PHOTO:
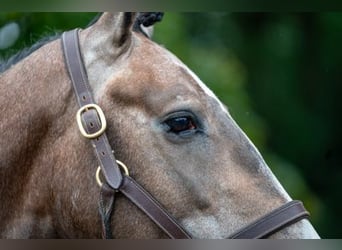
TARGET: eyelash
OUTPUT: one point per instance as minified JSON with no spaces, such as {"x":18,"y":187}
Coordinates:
{"x":181,"y":124}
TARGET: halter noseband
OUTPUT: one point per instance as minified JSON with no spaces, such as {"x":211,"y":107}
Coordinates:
{"x":92,"y":124}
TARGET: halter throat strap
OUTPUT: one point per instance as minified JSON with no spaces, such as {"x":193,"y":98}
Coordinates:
{"x":92,"y":125}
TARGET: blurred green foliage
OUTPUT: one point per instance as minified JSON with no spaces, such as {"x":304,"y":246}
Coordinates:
{"x":279,"y":75}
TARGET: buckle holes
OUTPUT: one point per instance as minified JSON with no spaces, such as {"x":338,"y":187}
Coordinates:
{"x":91,"y":125}
{"x":103,"y":153}
{"x":84,"y":97}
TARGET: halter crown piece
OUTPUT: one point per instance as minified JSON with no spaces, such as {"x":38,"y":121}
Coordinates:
{"x":91,"y":121}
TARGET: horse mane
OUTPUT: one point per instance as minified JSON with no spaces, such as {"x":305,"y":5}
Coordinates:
{"x":26,"y":52}
{"x":144,"y":18}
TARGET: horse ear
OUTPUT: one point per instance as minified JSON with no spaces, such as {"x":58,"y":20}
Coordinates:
{"x":123,"y":24}
{"x":117,"y":27}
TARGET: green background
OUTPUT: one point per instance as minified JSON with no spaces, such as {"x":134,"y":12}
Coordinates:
{"x":280,"y":76}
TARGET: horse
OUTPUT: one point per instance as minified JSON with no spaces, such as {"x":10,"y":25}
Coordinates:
{"x":170,"y":130}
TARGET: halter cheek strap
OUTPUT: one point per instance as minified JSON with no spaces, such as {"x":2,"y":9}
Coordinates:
{"x":92,"y":124}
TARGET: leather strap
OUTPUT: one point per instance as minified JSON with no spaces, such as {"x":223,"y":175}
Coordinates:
{"x":92,"y":123}
{"x":84,"y":96}
{"x":109,"y":167}
{"x":151,"y":207}
{"x":278,"y":219}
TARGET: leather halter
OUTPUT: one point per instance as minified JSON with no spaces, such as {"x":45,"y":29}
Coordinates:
{"x":92,"y":124}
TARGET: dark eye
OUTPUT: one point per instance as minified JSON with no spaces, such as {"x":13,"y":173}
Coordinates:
{"x":182,"y":124}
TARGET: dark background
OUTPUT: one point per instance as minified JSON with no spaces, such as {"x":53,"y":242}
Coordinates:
{"x":278,"y":73}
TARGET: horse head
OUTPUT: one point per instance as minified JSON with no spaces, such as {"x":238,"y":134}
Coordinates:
{"x":176,"y":138}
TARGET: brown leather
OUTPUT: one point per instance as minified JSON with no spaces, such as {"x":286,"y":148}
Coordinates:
{"x":139,"y":196}
{"x":103,"y":151}
{"x":263,"y":227}
{"x":84,"y":96}
{"x":151,"y":207}
{"x":278,"y":219}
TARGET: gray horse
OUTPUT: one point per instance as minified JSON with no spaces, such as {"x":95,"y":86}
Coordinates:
{"x":177,"y":139}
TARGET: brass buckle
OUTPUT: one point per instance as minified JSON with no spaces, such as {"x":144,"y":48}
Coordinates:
{"x":98,"y":170}
{"x":101,"y":116}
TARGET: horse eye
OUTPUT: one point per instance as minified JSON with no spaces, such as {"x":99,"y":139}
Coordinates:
{"x":180,"y":124}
